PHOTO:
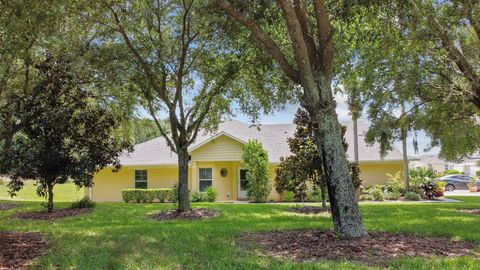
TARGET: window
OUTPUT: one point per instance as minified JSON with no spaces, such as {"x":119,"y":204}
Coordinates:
{"x":141,"y":179}
{"x":204,"y":178}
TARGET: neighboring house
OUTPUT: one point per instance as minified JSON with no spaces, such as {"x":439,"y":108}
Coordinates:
{"x":215,"y":160}
{"x":466,"y":165}
{"x":432,"y":162}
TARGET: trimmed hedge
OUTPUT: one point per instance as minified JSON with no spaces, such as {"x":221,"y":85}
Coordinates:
{"x":139,"y":195}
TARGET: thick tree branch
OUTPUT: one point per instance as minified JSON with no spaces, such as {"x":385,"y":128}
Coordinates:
{"x":325,"y":36}
{"x":265,"y":40}
{"x":305,"y":23}
{"x":300,"y":50}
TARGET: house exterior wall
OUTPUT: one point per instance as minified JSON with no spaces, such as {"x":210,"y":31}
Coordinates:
{"x":222,"y":148}
{"x":222,"y":152}
{"x":108,"y":185}
{"x":376,"y":173}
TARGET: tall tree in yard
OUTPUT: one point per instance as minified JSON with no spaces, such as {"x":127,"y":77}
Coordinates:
{"x":60,"y":132}
{"x":179,"y":66}
{"x":305,"y":53}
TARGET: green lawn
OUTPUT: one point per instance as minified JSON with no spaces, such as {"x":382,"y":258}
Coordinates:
{"x":120,"y":236}
{"x":67,"y":192}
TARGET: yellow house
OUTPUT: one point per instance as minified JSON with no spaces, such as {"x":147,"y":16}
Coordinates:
{"x":215,"y":160}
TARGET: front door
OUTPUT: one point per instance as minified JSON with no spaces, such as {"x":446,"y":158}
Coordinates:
{"x":242,"y":184}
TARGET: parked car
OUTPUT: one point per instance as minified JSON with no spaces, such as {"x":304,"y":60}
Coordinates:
{"x":457,"y":181}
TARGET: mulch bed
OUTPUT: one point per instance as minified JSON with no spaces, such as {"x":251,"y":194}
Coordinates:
{"x":17,"y":250}
{"x":308,"y":210}
{"x":7,"y":206}
{"x":376,"y":249}
{"x":56,"y":214}
{"x":199,"y":213}
{"x":470,"y":211}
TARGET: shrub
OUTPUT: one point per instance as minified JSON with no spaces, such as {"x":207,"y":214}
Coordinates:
{"x":420,"y":176}
{"x":365,"y":197}
{"x":472,"y":183}
{"x":198,"y":197}
{"x":377,"y":194}
{"x":315,"y":195}
{"x":255,"y":160}
{"x":288,"y":196}
{"x":174,"y":194}
{"x":392,"y":196}
{"x":211,"y":193}
{"x":138,"y":195}
{"x":478,"y":173}
{"x":432,"y":190}
{"x":85,"y":202}
{"x":412,"y":196}
{"x":394,"y":183}
{"x":447,"y":172}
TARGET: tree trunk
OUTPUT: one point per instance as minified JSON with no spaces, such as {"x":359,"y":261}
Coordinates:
{"x":324,"y":196}
{"x":343,"y":204}
{"x":50,"y":197}
{"x":183,"y":194}
{"x":355,"y":138}
{"x":405,"y":160}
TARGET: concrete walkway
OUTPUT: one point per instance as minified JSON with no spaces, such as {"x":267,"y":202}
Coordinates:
{"x":461,"y":193}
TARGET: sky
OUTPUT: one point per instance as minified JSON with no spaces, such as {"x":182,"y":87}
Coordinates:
{"x":288,"y":113}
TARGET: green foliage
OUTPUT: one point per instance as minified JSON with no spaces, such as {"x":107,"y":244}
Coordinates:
{"x":394,"y":183}
{"x":211,"y":193}
{"x":198,"y":197}
{"x":315,"y":195}
{"x":472,"y":182}
{"x":392,"y":196}
{"x":355,"y":174}
{"x":366,"y":197}
{"x":143,"y":129}
{"x":448,"y":172}
{"x":377,"y":194}
{"x":60,"y":132}
{"x":148,"y":195}
{"x":412,"y":196}
{"x":478,"y":173}
{"x":288,"y":196}
{"x":255,"y":160}
{"x":419,"y":176}
{"x":85,"y":202}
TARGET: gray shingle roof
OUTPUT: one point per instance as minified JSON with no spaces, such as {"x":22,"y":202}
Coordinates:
{"x":272,"y":136}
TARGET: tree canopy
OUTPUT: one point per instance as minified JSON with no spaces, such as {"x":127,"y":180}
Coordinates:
{"x":60,"y":133}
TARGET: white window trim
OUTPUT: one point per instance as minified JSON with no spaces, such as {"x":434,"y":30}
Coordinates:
{"x":200,"y":179}
{"x":135,"y":181}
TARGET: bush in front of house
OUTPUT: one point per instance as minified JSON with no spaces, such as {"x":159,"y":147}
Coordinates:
{"x":365,"y":197}
{"x":448,"y":172}
{"x":138,"y":195}
{"x":211,"y":193}
{"x":376,"y":192}
{"x":255,"y":160}
{"x":412,"y":196}
{"x":392,"y":196}
{"x":198,"y":197}
{"x":84,"y":202}
{"x":288,"y":196}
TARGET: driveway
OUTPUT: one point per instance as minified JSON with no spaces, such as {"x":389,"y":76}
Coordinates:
{"x":461,"y":193}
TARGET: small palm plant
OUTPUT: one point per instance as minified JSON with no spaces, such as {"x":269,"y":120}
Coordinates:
{"x":472,"y":185}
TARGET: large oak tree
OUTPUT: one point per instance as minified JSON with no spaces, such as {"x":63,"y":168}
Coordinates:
{"x":301,"y":43}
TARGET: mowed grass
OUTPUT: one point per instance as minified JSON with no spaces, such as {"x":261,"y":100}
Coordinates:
{"x":120,"y":236}
{"x":67,"y":192}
